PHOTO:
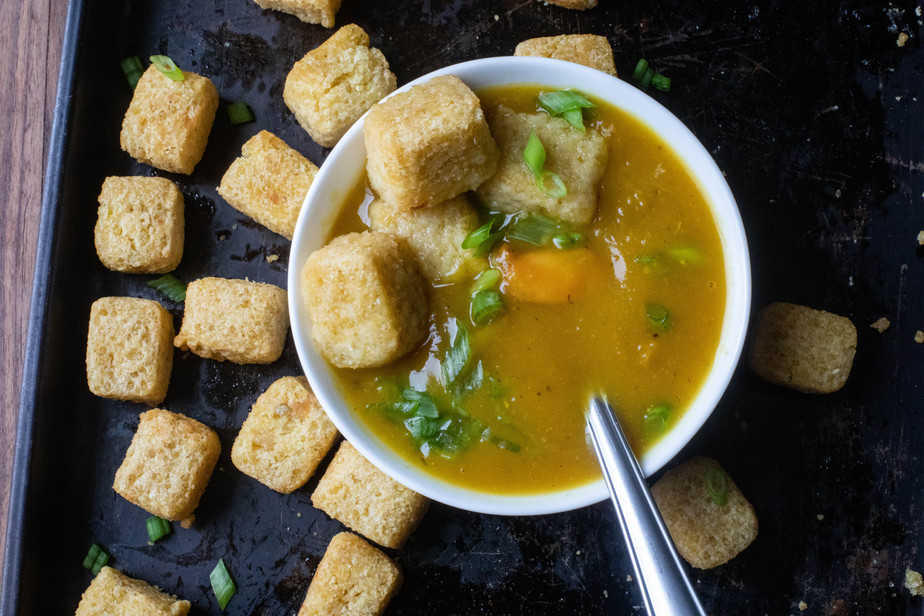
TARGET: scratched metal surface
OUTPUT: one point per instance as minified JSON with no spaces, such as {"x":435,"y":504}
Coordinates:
{"x":815,"y":115}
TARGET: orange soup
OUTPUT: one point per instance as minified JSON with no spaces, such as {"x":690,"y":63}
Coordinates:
{"x":630,"y":305}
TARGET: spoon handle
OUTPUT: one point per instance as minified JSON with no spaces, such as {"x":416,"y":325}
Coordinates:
{"x":661,"y":577}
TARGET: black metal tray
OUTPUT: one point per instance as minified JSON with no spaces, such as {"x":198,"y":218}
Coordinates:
{"x":812,"y":110}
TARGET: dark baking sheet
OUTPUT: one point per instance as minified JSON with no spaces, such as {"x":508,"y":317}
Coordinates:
{"x":811,"y":109}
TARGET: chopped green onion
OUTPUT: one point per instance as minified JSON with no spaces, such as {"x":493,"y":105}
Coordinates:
{"x":222,"y":584}
{"x":503,"y":443}
{"x":534,"y":155}
{"x":646,"y":76}
{"x":646,"y":259}
{"x":567,"y":104}
{"x":561,"y":101}
{"x":640,"y":69}
{"x":685,"y":255}
{"x":457,"y":359}
{"x":422,"y":428}
{"x":168,"y":67}
{"x":533,"y":229}
{"x":485,"y":306}
{"x":566,"y":241}
{"x":717,"y":486}
{"x":658,"y":316}
{"x":575,"y":118}
{"x":660,"y":82}
{"x":239,"y":113}
{"x":169,"y":285}
{"x":132,"y":69}
{"x":423,"y":404}
{"x":95,"y":559}
{"x":158,"y":528}
{"x":486,"y":280}
{"x":657,"y":415}
{"x":482,"y":240}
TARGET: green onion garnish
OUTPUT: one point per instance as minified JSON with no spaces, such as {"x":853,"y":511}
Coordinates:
{"x":566,"y":241}
{"x":534,"y":157}
{"x":95,"y":559}
{"x":486,"y":280}
{"x":222,"y":584}
{"x":660,"y":82}
{"x":657,"y":415}
{"x":482,"y":240}
{"x":458,"y":356}
{"x":685,"y":255}
{"x":485,"y":306}
{"x":717,"y":486}
{"x":640,"y":69}
{"x":645,"y":76}
{"x":132,"y":69}
{"x":420,"y":403}
{"x":658,"y":316}
{"x":169,"y":285}
{"x":568,"y":104}
{"x":533,"y":229}
{"x":158,"y":528}
{"x":168,"y":67}
{"x":239,"y":113}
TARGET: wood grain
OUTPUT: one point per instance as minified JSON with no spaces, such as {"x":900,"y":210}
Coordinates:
{"x":30,"y":43}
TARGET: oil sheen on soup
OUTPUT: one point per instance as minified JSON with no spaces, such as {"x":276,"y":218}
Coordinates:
{"x":499,"y":406}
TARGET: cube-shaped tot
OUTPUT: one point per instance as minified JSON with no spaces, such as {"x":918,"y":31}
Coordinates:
{"x":139,"y":225}
{"x":168,"y":122}
{"x":435,"y":235}
{"x":708,"y":518}
{"x":366,"y":298}
{"x":429,"y":144}
{"x":333,"y":85}
{"x":168,"y":464}
{"x":112,"y":593}
{"x":802,"y":348}
{"x":284,"y":437}
{"x":588,"y":49}
{"x":310,"y":11}
{"x":579,"y":158}
{"x":353,"y":579}
{"x":268,"y":182}
{"x":234,"y":320}
{"x":129,"y":350}
{"x":367,"y":500}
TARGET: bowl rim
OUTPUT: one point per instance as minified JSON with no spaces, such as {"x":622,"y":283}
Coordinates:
{"x":701,"y":167}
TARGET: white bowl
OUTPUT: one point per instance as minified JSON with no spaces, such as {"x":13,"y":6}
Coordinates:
{"x":342,"y":170}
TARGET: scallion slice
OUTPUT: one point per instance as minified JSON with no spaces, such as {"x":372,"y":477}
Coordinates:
{"x":486,"y":280}
{"x":239,"y":113}
{"x":95,"y":559}
{"x":482,"y":240}
{"x":458,"y":356}
{"x":717,"y":486}
{"x":222,"y":584}
{"x":485,"y":306}
{"x":567,"y":104}
{"x":645,"y":81}
{"x":132,"y":69}
{"x":575,"y":117}
{"x":657,"y":415}
{"x":640,"y":69}
{"x":533,"y":229}
{"x":168,"y":67}
{"x":658,"y":316}
{"x":567,"y":241}
{"x":158,"y":528}
{"x":534,"y":157}
{"x":169,"y":285}
{"x":660,"y":82}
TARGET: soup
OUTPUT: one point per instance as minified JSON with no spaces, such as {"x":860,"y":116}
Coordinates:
{"x":630,"y":305}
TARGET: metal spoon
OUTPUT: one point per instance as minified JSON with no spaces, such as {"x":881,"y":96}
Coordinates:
{"x":660,"y":575}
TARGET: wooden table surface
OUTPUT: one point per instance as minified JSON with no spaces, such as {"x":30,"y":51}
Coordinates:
{"x":30,"y":40}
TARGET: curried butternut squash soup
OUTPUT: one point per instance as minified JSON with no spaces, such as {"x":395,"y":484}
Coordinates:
{"x":548,"y":309}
